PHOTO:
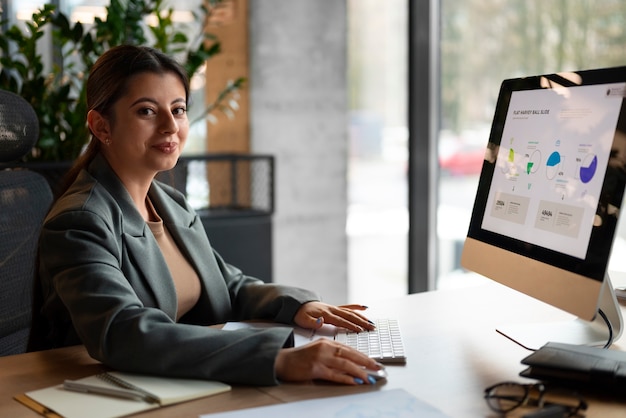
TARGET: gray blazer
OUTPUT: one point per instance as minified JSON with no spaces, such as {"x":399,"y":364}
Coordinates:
{"x":105,"y":283}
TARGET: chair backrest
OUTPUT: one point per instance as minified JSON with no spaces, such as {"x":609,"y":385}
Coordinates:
{"x":25,"y":198}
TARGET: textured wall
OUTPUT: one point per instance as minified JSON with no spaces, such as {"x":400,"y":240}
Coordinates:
{"x":298,"y":113}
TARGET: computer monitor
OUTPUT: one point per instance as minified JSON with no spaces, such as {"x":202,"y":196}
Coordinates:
{"x":549,"y":198}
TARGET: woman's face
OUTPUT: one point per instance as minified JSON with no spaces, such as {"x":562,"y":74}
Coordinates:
{"x":149,"y":127}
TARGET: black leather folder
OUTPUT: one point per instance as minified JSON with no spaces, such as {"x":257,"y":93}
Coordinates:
{"x":579,"y":366}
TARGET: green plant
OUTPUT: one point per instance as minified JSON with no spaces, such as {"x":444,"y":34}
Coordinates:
{"x":57,"y":91}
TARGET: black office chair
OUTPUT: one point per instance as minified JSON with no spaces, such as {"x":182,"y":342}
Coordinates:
{"x":25,"y":198}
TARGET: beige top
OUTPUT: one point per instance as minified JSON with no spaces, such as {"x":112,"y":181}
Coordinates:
{"x":186,"y":280}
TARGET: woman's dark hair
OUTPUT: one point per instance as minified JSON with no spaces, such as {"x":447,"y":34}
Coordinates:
{"x":107,"y":82}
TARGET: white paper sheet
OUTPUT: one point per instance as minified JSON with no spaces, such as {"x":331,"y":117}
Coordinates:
{"x":395,"y":403}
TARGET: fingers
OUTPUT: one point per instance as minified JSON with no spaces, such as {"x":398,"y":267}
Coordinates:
{"x":344,"y":352}
{"x":339,"y":316}
{"x":315,"y":314}
{"x":347,"y":318}
{"x":315,"y":323}
{"x":354,"y":307}
{"x":309,"y":316}
{"x":326,"y":360}
{"x":349,"y":366}
{"x":341,"y":370}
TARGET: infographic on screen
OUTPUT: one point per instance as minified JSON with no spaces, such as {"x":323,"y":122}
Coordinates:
{"x":551,"y":164}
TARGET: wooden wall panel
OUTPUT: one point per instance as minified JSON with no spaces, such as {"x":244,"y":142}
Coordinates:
{"x":229,"y":135}
{"x":230,"y":25}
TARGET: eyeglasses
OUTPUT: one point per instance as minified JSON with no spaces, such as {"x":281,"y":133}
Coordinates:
{"x":507,"y":396}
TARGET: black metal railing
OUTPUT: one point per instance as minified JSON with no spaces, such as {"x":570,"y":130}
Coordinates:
{"x":225,"y":183}
{"x":216,"y":184}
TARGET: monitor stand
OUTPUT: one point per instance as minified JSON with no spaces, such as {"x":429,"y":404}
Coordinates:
{"x":575,"y":331}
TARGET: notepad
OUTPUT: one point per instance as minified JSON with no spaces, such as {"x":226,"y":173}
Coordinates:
{"x":166,"y":391}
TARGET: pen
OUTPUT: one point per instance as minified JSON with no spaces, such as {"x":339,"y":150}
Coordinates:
{"x":110,"y":391}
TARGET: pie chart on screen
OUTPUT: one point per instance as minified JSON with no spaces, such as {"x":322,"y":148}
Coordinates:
{"x":588,"y":168}
{"x":552,"y":165}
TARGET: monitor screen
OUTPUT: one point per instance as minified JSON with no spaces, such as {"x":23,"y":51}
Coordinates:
{"x":551,"y":187}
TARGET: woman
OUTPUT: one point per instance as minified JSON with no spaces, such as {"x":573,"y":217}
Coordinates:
{"x":125,"y":266}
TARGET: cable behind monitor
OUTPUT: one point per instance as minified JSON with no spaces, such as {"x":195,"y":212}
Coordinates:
{"x":602,"y":331}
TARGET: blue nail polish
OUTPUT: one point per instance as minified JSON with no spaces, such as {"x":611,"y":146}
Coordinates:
{"x":358,"y":381}
{"x":371,"y":380}
{"x":319,"y":320}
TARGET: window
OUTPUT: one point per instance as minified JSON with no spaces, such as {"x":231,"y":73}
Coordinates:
{"x":479,"y":43}
{"x":483,"y":42}
{"x":377,"y":219}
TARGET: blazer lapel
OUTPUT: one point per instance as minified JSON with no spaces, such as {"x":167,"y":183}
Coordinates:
{"x":143,"y":249}
{"x":188,"y":233}
{"x":146,"y":255}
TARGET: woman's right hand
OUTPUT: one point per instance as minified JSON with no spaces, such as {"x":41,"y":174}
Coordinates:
{"x":324,"y":359}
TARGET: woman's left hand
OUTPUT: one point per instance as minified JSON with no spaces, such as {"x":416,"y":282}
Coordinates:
{"x":313,"y":315}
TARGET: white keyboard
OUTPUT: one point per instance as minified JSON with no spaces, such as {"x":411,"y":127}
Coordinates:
{"x":384,"y":344}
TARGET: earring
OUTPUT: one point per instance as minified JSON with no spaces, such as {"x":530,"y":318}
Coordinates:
{"x":107,"y":142}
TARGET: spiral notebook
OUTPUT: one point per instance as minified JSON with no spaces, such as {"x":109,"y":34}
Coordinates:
{"x":152,"y":392}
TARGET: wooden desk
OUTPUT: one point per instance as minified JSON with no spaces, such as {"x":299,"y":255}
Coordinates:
{"x":452,"y":347}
